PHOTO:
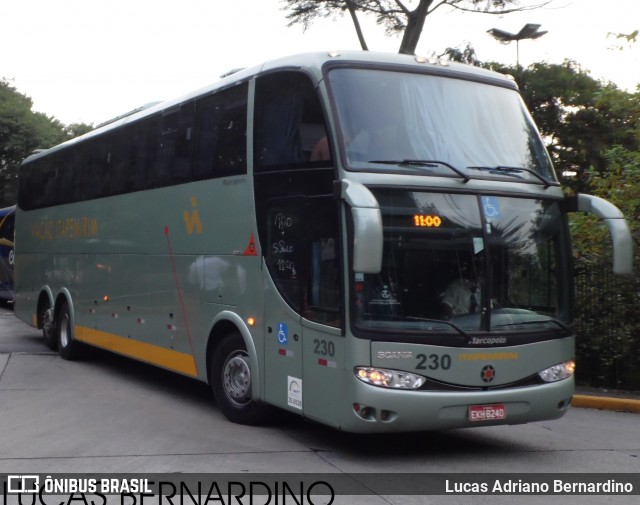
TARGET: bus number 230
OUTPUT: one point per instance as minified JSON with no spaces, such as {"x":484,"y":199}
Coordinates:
{"x":433,"y":362}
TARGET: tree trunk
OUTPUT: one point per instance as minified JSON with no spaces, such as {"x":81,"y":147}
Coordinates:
{"x":415,"y":24}
{"x":357,"y":26}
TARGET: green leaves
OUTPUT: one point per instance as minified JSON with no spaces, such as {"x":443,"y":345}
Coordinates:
{"x":21,"y":132}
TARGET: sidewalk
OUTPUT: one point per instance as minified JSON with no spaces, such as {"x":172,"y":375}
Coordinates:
{"x":604,"y":399}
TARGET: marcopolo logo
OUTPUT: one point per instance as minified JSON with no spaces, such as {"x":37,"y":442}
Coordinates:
{"x":487,"y":340}
{"x":488,"y":373}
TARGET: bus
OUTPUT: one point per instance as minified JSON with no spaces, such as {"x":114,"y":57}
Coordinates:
{"x":7,"y":227}
{"x":376,"y":242}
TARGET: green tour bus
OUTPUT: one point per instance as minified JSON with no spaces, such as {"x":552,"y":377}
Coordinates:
{"x":377,"y":242}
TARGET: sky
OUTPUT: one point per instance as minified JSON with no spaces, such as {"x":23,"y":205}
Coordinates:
{"x":91,"y":60}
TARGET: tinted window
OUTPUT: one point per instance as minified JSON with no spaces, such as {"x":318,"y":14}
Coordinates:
{"x":302,"y":254}
{"x":220,"y":134}
{"x":289,"y":129}
{"x":198,"y":139}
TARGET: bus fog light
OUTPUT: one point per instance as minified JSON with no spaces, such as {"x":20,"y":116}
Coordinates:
{"x":558,"y":372}
{"x":394,"y":379}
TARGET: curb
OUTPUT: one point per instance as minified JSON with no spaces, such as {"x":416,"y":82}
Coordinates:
{"x":606,"y":403}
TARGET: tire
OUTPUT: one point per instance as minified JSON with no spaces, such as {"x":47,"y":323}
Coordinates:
{"x":68,"y":347}
{"x":230,"y":379}
{"x":49,"y":328}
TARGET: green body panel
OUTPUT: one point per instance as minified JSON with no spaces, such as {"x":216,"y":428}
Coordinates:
{"x":155,"y":267}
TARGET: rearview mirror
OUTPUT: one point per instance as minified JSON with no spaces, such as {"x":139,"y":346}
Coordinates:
{"x":367,"y":227}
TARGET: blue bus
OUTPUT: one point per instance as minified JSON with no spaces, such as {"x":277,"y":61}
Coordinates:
{"x":7,"y":228}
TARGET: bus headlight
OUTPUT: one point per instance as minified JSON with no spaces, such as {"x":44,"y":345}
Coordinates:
{"x":558,"y":372}
{"x":394,"y":379}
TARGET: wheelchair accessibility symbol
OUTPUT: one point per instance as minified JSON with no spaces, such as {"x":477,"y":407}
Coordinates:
{"x":283,"y":333}
{"x":491,"y":207}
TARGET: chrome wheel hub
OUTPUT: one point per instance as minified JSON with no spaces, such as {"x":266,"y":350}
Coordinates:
{"x":237,"y":379}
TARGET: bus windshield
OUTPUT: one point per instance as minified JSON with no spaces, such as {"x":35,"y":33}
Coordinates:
{"x":457,"y":263}
{"x":393,"y":121}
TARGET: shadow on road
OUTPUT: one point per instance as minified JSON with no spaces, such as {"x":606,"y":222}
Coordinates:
{"x":319,"y":438}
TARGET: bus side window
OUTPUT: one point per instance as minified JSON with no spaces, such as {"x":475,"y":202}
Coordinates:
{"x":322,"y":300}
{"x":31,"y":185}
{"x":152,"y":131}
{"x":220,"y":134}
{"x":288,"y":123}
{"x":96,"y":159}
{"x":117,"y":178}
{"x":173,"y":164}
{"x":283,"y":251}
{"x":297,"y":213}
{"x":138,"y":156}
{"x":231,"y":155}
{"x":50,"y":181}
{"x":166,"y":147}
{"x":303,"y":257}
{"x":69,"y":187}
{"x":181,"y":166}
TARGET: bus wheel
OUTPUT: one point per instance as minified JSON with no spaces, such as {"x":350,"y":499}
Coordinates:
{"x":230,"y":380}
{"x":49,"y":328}
{"x":67,"y":346}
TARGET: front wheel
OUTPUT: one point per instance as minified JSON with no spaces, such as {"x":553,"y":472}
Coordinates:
{"x":231,"y":382}
{"x":68,"y":347}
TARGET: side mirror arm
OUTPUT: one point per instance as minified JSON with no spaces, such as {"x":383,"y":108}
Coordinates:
{"x":621,"y":237}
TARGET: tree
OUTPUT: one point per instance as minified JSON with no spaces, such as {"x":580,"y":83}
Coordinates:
{"x":21,"y":132}
{"x":397,"y":16}
{"x":579,"y":117}
{"x":592,"y":128}
{"x":624,"y":40}
{"x":466,"y":55}
{"x":76,"y":129}
{"x":607,"y":310}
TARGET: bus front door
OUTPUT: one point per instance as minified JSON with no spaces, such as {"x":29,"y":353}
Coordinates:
{"x":283,"y":352}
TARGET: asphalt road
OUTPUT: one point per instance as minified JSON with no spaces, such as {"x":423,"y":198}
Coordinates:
{"x":110,"y":414}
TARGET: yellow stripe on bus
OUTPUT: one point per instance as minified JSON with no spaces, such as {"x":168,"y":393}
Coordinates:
{"x":166,"y":358}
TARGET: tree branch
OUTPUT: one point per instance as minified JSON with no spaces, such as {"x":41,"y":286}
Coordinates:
{"x":403,"y":7}
{"x":440,"y":4}
{"x":454,"y":4}
{"x":379,"y":8}
{"x":356,"y":24}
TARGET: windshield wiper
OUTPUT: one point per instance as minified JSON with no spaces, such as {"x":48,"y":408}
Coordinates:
{"x":505,"y":170}
{"x":439,"y":321}
{"x":552,"y":320}
{"x":424,"y":164}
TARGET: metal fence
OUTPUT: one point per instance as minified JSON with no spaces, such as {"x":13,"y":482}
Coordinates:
{"x":607,"y":328}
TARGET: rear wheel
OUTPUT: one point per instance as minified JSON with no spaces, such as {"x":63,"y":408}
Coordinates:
{"x":48,"y":327}
{"x":68,"y":347}
{"x":231,"y":382}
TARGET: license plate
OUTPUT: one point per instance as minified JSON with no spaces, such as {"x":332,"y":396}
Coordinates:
{"x":479,"y":413}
